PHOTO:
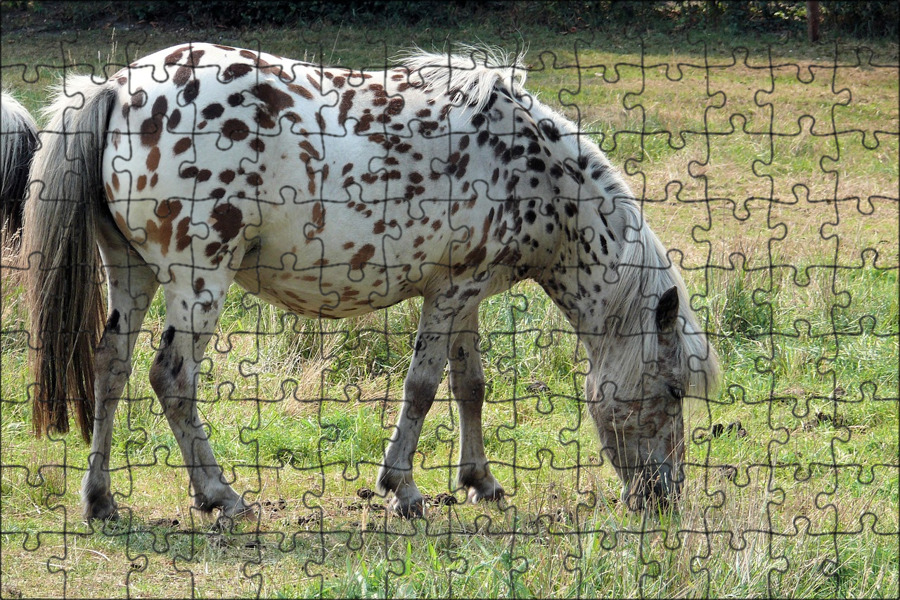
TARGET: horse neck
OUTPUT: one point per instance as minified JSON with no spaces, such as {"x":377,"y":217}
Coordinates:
{"x":611,"y":269}
{"x":595,"y":275}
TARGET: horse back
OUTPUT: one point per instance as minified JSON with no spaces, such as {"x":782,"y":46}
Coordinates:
{"x":336,"y":188}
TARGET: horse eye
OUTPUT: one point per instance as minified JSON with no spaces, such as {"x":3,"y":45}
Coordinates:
{"x":676,"y":392}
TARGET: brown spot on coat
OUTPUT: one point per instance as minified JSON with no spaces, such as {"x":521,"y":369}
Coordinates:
{"x":123,"y":226}
{"x":182,"y":239}
{"x":151,"y":128}
{"x":227,"y":221}
{"x":174,"y":57}
{"x":153,"y":158}
{"x":213,"y":111}
{"x":182,"y":75}
{"x":275,"y":100}
{"x":362,"y":256}
{"x":235,"y":71}
{"x":194,"y":57}
{"x":318,"y":215}
{"x":161,"y":233}
{"x":235,"y":129}
{"x":346,"y":105}
{"x":191,"y":91}
{"x":138,"y":98}
{"x":300,"y":91}
{"x":395,"y":106}
{"x":310,"y":149}
{"x":174,"y":119}
{"x":182,"y":145}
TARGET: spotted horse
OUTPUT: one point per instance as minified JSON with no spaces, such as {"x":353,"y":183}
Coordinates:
{"x":18,"y":138}
{"x":331,"y":193}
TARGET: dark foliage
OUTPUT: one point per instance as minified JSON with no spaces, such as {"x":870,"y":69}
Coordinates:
{"x":849,"y":18}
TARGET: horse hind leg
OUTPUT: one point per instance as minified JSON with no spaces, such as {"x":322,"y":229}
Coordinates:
{"x":191,"y":314}
{"x":131,"y":285}
{"x":467,"y":386}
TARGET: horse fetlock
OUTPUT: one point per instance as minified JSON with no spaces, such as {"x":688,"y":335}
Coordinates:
{"x":96,"y":498}
{"x":391,"y":480}
{"x":224,"y":498}
{"x":408,"y":501}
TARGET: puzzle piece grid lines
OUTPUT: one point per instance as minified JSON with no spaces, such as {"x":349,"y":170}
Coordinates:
{"x":789,"y":468}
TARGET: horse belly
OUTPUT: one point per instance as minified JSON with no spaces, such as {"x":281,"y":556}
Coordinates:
{"x":320,"y":274}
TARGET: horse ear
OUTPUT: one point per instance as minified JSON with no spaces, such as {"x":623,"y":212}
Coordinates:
{"x":667,"y":310}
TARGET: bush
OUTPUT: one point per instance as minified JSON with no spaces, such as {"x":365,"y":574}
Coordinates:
{"x":849,"y":18}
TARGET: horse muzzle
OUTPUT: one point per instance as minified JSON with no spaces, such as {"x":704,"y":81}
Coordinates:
{"x":653,"y":488}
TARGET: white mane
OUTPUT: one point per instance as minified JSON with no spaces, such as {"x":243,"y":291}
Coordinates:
{"x":469,"y":78}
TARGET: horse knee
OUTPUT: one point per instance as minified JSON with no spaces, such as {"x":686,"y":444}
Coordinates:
{"x":418,"y":395}
{"x":468,"y":389}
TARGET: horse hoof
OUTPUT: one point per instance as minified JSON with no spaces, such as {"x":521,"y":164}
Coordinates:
{"x":245,"y":512}
{"x":489,"y":493}
{"x":410,"y":510}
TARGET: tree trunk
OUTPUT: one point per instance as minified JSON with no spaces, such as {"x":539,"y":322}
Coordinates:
{"x":812,"y":20}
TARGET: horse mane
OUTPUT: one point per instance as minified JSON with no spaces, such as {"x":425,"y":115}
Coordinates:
{"x":467,"y":78}
{"x":645,"y":273}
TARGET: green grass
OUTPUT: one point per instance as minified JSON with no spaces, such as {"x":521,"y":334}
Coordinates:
{"x":804,"y":505}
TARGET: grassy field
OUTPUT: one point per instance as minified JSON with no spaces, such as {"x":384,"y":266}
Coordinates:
{"x":769,"y":167}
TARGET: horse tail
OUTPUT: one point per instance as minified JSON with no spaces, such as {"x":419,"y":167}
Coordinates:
{"x":59,"y":249}
{"x":19,"y":140}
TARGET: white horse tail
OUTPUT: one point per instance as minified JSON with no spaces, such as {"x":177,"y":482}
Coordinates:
{"x":63,"y":210}
{"x":18,"y":140}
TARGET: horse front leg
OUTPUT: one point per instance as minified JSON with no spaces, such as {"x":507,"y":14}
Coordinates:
{"x":131,"y":290}
{"x":467,"y":386}
{"x":425,"y":372}
{"x":190,"y":322}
